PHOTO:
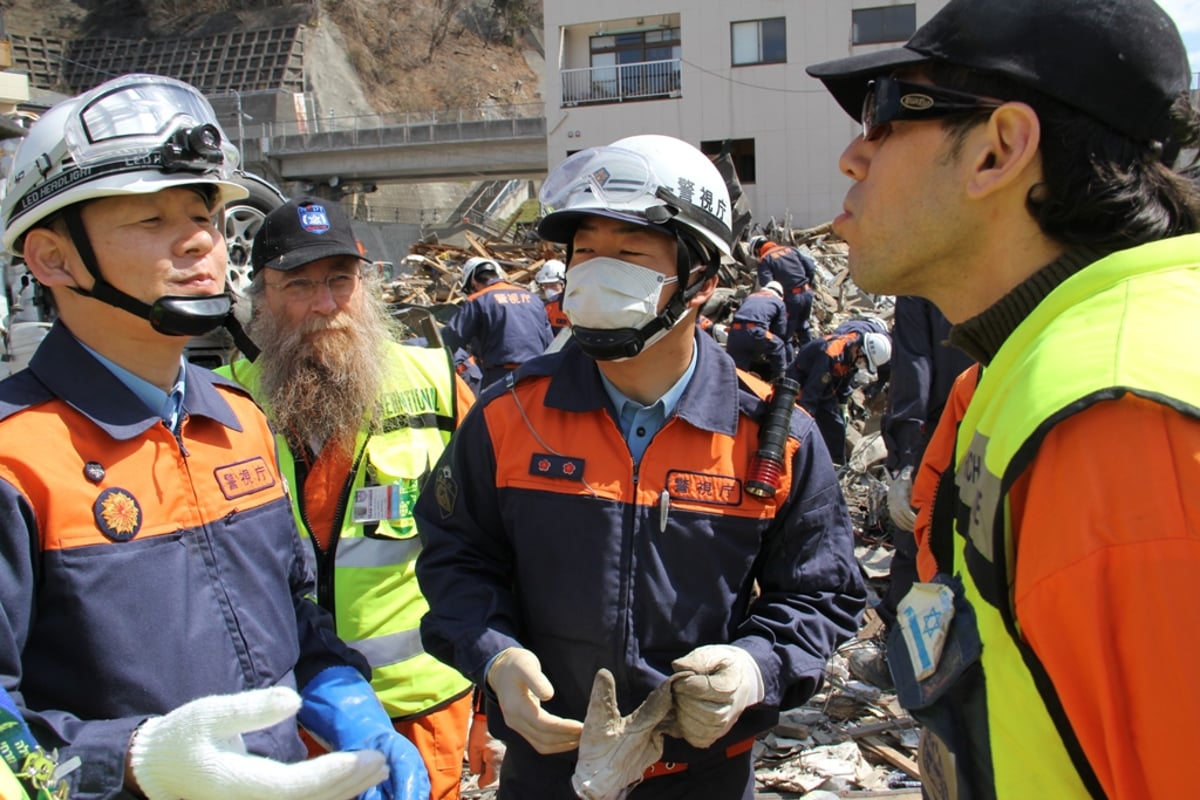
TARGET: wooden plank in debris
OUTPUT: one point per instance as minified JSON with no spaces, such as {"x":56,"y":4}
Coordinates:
{"x":875,"y":744}
{"x":476,"y":244}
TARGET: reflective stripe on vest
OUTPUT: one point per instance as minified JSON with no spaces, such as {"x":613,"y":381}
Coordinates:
{"x":1095,"y":337}
{"x":379,"y":604}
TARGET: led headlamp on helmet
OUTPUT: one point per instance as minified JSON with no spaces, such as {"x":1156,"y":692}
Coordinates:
{"x":655,"y":181}
{"x":137,"y":134}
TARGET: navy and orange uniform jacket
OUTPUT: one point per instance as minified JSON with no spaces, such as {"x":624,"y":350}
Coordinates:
{"x":141,"y":569}
{"x":794,"y":270}
{"x":764,"y":309}
{"x":823,"y":368}
{"x":538,"y":531}
{"x":555,"y":315}
{"x":502,"y":324}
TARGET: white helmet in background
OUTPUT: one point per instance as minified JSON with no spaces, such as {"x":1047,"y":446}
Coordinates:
{"x":647,"y":179}
{"x":136,"y":134}
{"x":479,"y":264}
{"x":553,"y":271}
{"x":774,"y":286}
{"x":877,"y":347}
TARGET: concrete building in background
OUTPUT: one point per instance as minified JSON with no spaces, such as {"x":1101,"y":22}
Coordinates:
{"x":719,"y":74}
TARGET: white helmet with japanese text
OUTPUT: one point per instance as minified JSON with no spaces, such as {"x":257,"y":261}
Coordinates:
{"x":136,"y":134}
{"x":647,"y":179}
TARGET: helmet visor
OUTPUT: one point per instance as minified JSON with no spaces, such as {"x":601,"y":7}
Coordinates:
{"x":605,"y":177}
{"x":141,"y":115}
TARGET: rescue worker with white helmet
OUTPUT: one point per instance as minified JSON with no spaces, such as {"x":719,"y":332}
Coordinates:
{"x":596,"y":508}
{"x":828,"y":370}
{"x":550,"y":280}
{"x":156,"y":621}
{"x":503,"y":325}
{"x":756,"y":338}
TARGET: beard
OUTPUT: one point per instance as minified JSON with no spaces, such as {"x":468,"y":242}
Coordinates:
{"x":321,"y":380}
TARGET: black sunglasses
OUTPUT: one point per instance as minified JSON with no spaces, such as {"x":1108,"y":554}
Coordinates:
{"x":890,"y":99}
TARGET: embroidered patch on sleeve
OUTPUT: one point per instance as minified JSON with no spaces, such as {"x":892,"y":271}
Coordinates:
{"x":550,"y":466}
{"x":245,"y":477}
{"x":699,"y":487}
{"x":445,"y":491}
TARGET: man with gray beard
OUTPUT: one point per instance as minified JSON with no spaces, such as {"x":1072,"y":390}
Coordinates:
{"x":359,"y":421}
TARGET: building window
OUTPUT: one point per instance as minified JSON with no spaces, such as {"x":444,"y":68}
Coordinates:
{"x":635,"y":47}
{"x":631,"y":65}
{"x":887,"y":24}
{"x":741,"y":151}
{"x":759,"y":41}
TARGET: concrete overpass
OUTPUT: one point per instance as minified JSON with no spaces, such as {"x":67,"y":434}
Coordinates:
{"x":502,"y":142}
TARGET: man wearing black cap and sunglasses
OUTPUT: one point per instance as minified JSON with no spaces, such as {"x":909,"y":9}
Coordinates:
{"x":1016,"y":167}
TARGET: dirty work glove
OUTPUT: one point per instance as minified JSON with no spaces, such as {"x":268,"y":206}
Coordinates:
{"x":196,"y":751}
{"x":899,"y":500}
{"x":614,"y":751}
{"x":484,"y":752}
{"x":521,"y":688}
{"x":342,"y":712}
{"x":726,"y":681}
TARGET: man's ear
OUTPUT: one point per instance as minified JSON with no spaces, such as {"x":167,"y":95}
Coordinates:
{"x":47,"y":256}
{"x":706,"y":290}
{"x":1005,"y":154}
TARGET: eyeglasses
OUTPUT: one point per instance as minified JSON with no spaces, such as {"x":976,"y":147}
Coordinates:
{"x":341,"y":285}
{"x":890,"y":99}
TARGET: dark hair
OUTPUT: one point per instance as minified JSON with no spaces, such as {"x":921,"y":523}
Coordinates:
{"x":1099,"y":187}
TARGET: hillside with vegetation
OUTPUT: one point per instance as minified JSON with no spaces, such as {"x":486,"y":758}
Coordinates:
{"x":409,"y":55}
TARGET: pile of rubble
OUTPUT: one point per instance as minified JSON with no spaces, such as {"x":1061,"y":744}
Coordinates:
{"x":852,"y":738}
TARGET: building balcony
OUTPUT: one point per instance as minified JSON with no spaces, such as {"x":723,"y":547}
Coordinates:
{"x":648,"y":80}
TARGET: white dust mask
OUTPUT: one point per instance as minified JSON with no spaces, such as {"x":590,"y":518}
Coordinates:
{"x":608,"y":293}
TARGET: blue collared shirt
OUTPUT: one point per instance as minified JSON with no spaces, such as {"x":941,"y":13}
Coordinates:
{"x":168,"y":405}
{"x":639,"y":423}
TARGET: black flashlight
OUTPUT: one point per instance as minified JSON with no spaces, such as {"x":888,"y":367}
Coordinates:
{"x":767,"y":464}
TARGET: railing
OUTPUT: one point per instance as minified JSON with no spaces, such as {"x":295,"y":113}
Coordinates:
{"x":409,"y":127}
{"x":618,"y":83}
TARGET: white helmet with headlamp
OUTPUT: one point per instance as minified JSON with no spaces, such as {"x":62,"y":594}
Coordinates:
{"x":656,"y":181}
{"x":136,"y":134}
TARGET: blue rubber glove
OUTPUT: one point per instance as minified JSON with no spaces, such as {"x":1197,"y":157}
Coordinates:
{"x":341,"y":711}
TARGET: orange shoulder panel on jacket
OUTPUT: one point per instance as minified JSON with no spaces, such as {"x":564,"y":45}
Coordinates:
{"x":939,"y":454}
{"x":464,"y":398}
{"x":548,"y":450}
{"x":100,"y":491}
{"x":1107,"y":526}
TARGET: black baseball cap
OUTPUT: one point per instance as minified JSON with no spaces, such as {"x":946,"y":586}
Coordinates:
{"x":300,"y":232}
{"x":1122,"y":62}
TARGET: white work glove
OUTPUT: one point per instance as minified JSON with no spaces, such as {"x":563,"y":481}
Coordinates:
{"x":709,"y":702}
{"x":614,"y":751}
{"x":485,"y":752}
{"x":899,"y":500}
{"x":521,"y":688}
{"x":196,"y":752}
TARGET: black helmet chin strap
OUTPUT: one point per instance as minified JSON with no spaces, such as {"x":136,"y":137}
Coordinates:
{"x":171,"y":315}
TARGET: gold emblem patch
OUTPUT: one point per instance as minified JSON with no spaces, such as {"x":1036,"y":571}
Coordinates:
{"x":117,"y":514}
